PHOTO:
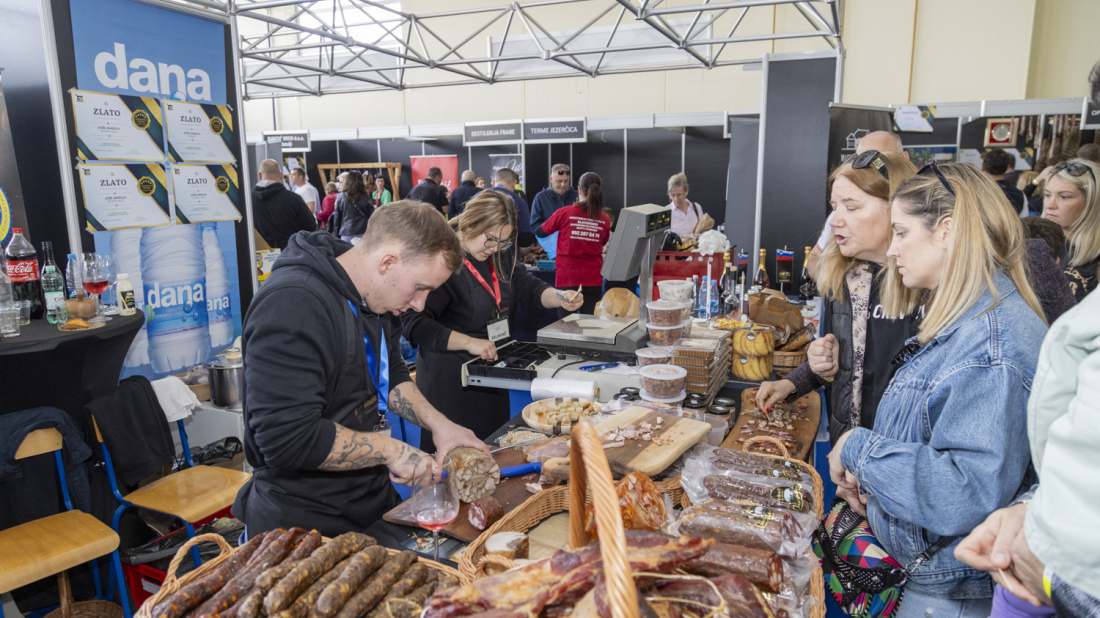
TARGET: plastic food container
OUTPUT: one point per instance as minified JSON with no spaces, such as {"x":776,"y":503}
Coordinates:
{"x":725,"y":401}
{"x":665,"y":312}
{"x":719,"y":427}
{"x":675,"y":289}
{"x":699,"y":348}
{"x":752,"y":368}
{"x":663,"y":381}
{"x":630,"y":390}
{"x":754,"y":340}
{"x":653,"y":356}
{"x":664,"y":335}
{"x":670,"y":400}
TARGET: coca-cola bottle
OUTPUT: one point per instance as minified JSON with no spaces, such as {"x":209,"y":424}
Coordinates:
{"x":23,"y":272}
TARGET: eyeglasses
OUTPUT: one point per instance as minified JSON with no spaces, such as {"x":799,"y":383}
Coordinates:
{"x":501,"y":245}
{"x":870,"y":158}
{"x":564,"y":172}
{"x":1074,"y":169}
{"x":934,"y":168}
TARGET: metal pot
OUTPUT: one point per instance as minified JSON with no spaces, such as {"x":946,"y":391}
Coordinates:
{"x":226,"y":372}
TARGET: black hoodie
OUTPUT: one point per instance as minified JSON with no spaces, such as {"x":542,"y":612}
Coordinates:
{"x":305,"y":372}
{"x":279,"y":214}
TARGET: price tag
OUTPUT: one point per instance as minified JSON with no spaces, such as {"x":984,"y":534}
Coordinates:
{"x":498,"y":329}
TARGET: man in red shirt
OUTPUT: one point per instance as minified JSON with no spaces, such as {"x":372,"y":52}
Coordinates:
{"x":583,"y":230}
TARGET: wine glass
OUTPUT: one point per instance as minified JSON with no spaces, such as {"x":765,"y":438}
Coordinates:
{"x":435,"y":503}
{"x":112,"y":282}
{"x":94,"y":280}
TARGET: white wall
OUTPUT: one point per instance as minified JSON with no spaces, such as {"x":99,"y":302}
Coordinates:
{"x":921,"y":51}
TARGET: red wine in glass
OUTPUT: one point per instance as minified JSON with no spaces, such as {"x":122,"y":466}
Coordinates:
{"x":95,"y":287}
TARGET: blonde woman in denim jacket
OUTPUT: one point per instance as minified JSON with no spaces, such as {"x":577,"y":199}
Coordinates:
{"x":950,"y":444}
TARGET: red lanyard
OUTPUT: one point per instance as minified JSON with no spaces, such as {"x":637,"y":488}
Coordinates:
{"x":495,"y":290}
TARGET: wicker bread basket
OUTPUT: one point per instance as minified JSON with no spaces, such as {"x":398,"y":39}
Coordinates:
{"x":172,"y":584}
{"x":786,"y":362}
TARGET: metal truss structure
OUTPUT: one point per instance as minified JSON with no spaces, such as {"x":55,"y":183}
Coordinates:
{"x":316,"y":47}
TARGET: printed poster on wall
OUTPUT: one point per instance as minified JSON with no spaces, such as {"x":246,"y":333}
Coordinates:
{"x":112,"y":127}
{"x":199,"y":133}
{"x":448,"y":164}
{"x":205,"y":193}
{"x":12,"y":214}
{"x":124,"y":195}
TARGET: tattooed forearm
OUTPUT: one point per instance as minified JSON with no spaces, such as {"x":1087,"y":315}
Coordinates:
{"x":354,"y":450}
{"x":401,"y":405}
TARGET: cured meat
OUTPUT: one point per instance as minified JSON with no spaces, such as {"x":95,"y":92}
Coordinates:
{"x":337,"y":593}
{"x":751,"y":460}
{"x":301,"y":606}
{"x":774,"y":495}
{"x":563,"y":578}
{"x":547,"y":449}
{"x":485,"y":512}
{"x":270,"y":553}
{"x":475,"y":474}
{"x":305,"y":547}
{"x":309,"y":570}
{"x":378,"y":585}
{"x":410,"y":581}
{"x":253,"y":602}
{"x":641,"y":505}
{"x":754,"y":529}
{"x":740,"y":597}
{"x":510,"y":545}
{"x":761,"y":567}
{"x":195,"y":593}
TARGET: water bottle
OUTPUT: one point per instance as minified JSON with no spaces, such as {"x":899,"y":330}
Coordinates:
{"x":218,"y":307}
{"x":713,"y":299}
{"x":126,"y":247}
{"x":53,"y":287}
{"x":173,"y":273}
{"x":6,"y":297}
{"x":74,"y":279}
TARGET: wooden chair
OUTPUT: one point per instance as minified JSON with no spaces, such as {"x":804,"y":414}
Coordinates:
{"x":52,"y":545}
{"x":189,"y":495}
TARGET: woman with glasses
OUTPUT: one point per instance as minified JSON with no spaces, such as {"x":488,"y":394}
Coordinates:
{"x":1071,"y":199}
{"x":853,"y":358}
{"x":583,"y":230}
{"x":949,"y":442}
{"x":467,"y":317}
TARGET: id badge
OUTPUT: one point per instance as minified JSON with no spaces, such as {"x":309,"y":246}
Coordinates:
{"x":498,"y":329}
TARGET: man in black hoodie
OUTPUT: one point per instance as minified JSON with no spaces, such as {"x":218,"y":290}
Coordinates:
{"x":311,"y":408}
{"x":277,"y":212}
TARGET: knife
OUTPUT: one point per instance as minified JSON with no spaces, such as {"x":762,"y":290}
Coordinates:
{"x":515,"y":470}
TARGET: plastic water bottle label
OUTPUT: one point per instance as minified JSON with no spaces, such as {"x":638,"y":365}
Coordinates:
{"x":178,"y":306}
{"x":219,"y":308}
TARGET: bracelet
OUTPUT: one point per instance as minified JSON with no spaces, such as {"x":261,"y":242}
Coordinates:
{"x":829,"y":380}
{"x":1048,"y":573}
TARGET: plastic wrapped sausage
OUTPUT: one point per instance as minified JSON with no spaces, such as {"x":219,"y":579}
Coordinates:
{"x":697,"y":596}
{"x":640,"y":503}
{"x":764,"y":568}
{"x":779,"y":495}
{"x":485,"y":512}
{"x":755,"y":527}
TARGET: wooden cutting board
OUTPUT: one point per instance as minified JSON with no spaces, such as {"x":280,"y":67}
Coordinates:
{"x":804,"y":432}
{"x":510,"y":492}
{"x":677,"y":435}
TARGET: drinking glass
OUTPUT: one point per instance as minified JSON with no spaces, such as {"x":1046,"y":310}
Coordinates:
{"x":435,"y":504}
{"x":95,"y":282}
{"x":112,"y":283}
{"x":9,"y":320}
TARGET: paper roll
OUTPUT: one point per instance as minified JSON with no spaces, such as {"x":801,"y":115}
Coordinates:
{"x":551,"y":388}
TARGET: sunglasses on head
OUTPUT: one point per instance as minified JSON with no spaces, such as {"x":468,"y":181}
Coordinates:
{"x":934,"y":168}
{"x":562,"y":172}
{"x":870,"y":158}
{"x":1074,"y":169}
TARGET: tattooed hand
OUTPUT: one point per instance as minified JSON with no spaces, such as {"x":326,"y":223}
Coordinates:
{"x":410,"y":466}
{"x":355,"y":450}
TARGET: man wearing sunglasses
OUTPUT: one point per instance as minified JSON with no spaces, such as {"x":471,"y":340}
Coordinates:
{"x":559,"y":194}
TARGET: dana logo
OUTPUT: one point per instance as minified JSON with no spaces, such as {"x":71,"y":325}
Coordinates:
{"x":180,"y":295}
{"x":113,"y":71}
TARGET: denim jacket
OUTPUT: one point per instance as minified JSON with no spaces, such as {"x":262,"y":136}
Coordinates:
{"x":950,"y":441}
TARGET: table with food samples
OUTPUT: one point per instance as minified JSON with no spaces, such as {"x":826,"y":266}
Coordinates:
{"x":716,"y":513}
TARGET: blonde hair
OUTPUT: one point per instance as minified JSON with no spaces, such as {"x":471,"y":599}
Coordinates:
{"x":986,"y":237}
{"x":486,"y":211}
{"x":1084,"y":233}
{"x":419,"y":228}
{"x":833,"y":266}
{"x":678,"y":180}
{"x":1025,"y":179}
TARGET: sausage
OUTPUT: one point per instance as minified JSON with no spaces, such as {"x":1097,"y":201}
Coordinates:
{"x":253,"y":601}
{"x":410,"y":605}
{"x":697,"y":595}
{"x":750,"y":460}
{"x":270,"y":553}
{"x":446,"y":582}
{"x":785,"y":523}
{"x":761,"y":567}
{"x":269,"y":538}
{"x":485,"y":512}
{"x":308,"y":570}
{"x":191,"y":595}
{"x":779,"y":496}
{"x":301,"y":606}
{"x":377,"y":586}
{"x":413,"y":579}
{"x":338,"y":592}
{"x":755,"y":531}
{"x":306,"y":546}
{"x":475,"y":474}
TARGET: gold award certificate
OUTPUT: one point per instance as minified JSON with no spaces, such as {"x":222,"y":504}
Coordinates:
{"x":205,"y":193}
{"x":199,"y":133}
{"x":115,"y":127}
{"x":123,"y":196}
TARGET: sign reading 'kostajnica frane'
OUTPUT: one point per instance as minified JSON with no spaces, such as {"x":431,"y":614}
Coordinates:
{"x":488,"y":133}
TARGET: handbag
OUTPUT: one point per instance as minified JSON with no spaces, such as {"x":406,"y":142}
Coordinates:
{"x":865,"y":580}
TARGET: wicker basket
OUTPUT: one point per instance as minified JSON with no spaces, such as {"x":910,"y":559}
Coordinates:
{"x":172,"y":585}
{"x":531,"y":513}
{"x":817,"y":580}
{"x":786,"y":362}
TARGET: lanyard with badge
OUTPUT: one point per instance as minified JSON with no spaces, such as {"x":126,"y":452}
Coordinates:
{"x":379,"y":372}
{"x":498,"y":325}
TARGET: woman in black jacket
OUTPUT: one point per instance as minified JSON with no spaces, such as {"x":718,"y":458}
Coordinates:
{"x":353,"y":208}
{"x":459,"y":316}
